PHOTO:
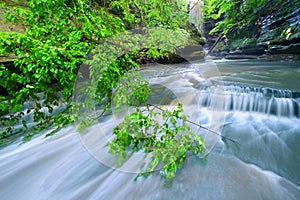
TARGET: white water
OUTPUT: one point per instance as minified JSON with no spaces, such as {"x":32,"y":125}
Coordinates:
{"x":264,"y":166}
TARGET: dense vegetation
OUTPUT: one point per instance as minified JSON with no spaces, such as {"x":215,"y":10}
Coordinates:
{"x":57,"y":38}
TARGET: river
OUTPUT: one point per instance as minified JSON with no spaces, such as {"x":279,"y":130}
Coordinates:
{"x":255,"y":103}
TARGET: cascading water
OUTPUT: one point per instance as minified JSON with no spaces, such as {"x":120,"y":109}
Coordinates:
{"x":262,"y":163}
{"x":269,"y":101}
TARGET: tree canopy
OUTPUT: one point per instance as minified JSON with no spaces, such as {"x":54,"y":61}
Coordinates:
{"x":57,"y":37}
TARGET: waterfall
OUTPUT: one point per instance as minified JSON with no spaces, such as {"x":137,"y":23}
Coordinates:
{"x":196,"y":15}
{"x":285,"y":103}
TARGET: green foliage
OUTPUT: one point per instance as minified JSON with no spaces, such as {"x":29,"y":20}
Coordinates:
{"x":56,"y":41}
{"x":236,"y":14}
{"x":149,"y":13}
{"x":163,"y":134}
{"x":58,"y":36}
{"x":131,"y":90}
{"x":113,"y":68}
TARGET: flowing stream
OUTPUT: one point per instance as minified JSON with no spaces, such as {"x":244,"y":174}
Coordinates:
{"x":255,"y":103}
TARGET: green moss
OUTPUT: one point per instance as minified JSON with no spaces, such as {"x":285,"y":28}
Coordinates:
{"x":242,"y":43}
{"x":200,"y":40}
{"x":221,"y":46}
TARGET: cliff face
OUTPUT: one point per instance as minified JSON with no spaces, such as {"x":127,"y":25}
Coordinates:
{"x":276,"y":31}
{"x":280,"y":30}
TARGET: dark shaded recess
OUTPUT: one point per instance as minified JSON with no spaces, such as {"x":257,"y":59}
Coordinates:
{"x":296,"y":109}
{"x":289,"y":49}
{"x":171,"y":58}
{"x":286,"y":42}
{"x":10,"y":66}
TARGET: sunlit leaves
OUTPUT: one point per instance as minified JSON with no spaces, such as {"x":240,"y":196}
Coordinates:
{"x":161,"y":133}
{"x":146,"y":13}
{"x":57,"y":39}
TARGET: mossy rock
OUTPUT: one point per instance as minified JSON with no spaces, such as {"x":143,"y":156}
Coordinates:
{"x":200,"y":40}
